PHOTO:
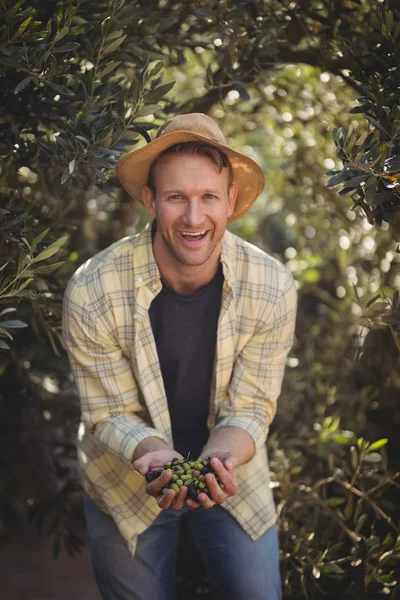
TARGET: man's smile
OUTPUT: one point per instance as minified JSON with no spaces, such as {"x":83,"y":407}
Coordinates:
{"x":193,"y":238}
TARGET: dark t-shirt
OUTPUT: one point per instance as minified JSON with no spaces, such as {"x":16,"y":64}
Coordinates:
{"x":185,"y":332}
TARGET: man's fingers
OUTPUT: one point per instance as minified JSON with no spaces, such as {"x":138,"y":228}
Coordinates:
{"x":228,"y":479}
{"x":166,"y":499}
{"x":179,"y":500}
{"x":154,"y":488}
{"x":216,"y":493}
{"x":192,"y":503}
{"x":205,"y":501}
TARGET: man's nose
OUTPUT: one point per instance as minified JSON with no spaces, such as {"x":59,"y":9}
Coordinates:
{"x":194,"y":213}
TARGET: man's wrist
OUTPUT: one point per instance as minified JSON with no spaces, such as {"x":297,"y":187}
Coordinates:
{"x":149,"y":444}
{"x":230,"y":440}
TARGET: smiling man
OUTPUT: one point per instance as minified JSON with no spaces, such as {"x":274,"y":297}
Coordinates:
{"x":178,"y":339}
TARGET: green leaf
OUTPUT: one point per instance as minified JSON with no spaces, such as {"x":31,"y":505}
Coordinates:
{"x":14,"y":324}
{"x":23,"y":84}
{"x":23,"y":26}
{"x":159,"y":92}
{"x":66,"y":47}
{"x":61,"y":89}
{"x":378,"y":444}
{"x":46,"y":269}
{"x":66,"y":174}
{"x":4,"y":346}
{"x":38,"y":239}
{"x":7,"y":333}
{"x":11,"y":62}
{"x":156,"y":69}
{"x":372,"y":300}
{"x":376,"y":124}
{"x":110,"y":67}
{"x":146,"y":110}
{"x":52,"y":249}
{"x":6,"y":311}
{"x":115,"y":34}
{"x":373,"y":458}
{"x":113,"y":46}
{"x":333,"y":568}
{"x":13,"y":11}
{"x":335,"y":501}
{"x":360,"y":522}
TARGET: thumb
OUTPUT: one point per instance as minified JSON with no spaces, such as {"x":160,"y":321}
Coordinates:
{"x":141,"y":466}
{"x":230,"y":463}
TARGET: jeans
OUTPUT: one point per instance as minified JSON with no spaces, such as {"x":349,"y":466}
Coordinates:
{"x":238,"y":567}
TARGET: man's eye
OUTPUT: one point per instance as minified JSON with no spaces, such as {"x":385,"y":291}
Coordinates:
{"x":210,"y":196}
{"x":175,"y":197}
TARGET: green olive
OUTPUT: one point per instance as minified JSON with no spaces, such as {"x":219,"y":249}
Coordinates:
{"x":179,"y":482}
{"x":165,"y":490}
{"x":175,"y":487}
{"x":188,"y":482}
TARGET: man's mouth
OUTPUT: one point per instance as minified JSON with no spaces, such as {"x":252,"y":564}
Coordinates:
{"x":193,"y":237}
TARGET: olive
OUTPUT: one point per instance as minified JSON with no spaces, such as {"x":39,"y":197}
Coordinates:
{"x":149,"y":476}
{"x":192,"y":493}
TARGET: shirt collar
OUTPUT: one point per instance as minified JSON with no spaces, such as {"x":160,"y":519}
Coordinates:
{"x":146,"y":269}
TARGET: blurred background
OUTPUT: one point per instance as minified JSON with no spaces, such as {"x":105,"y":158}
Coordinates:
{"x":310,"y":90}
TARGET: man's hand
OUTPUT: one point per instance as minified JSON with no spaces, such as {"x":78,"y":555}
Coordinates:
{"x":155,"y":460}
{"x":224,"y":466}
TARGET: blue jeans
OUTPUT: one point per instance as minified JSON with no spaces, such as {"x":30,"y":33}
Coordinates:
{"x":238,"y":567}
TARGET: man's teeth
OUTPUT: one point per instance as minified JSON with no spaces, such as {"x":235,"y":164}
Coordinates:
{"x":194,"y":234}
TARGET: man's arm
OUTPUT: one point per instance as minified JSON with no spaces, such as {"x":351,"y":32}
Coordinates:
{"x":111,"y":410}
{"x":257,"y":380}
{"x":232,"y":445}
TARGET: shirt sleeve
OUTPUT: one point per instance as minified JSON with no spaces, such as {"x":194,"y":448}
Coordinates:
{"x":259,"y":369}
{"x":109,"y":395}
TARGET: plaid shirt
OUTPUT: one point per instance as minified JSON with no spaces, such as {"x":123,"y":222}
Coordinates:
{"x":110,"y":343}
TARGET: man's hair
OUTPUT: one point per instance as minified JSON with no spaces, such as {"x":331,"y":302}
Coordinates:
{"x":218,"y":157}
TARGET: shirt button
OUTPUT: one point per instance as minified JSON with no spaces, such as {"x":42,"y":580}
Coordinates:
{"x":154,"y":287}
{"x":136,"y":316}
{"x":139,"y":280}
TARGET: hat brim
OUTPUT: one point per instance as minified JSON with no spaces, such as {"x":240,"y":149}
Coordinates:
{"x":133,"y":169}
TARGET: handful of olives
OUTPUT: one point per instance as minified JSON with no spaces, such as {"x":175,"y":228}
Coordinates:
{"x":186,"y":472}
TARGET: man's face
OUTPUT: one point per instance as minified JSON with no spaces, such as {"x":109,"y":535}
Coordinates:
{"x":192,"y":206}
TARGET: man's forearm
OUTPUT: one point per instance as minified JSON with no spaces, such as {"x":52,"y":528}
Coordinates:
{"x":233,"y":440}
{"x":150,"y":444}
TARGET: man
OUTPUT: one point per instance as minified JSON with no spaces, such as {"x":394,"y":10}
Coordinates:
{"x":178,"y":339}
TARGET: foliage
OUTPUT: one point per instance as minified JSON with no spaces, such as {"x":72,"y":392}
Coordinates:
{"x":371,"y":160}
{"x":91,"y":81}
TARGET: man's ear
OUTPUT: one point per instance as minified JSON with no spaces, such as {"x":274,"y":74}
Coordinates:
{"x":148,"y":200}
{"x":232,"y":195}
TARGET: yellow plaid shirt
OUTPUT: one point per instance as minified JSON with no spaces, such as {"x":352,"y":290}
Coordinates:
{"x":110,"y":343}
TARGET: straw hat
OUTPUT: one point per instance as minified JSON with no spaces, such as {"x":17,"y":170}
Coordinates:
{"x":133,"y":169}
